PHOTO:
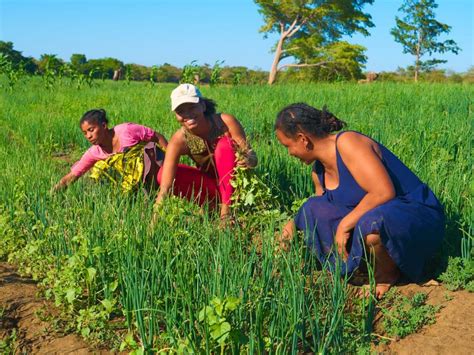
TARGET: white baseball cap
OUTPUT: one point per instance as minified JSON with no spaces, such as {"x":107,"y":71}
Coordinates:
{"x":184,"y":93}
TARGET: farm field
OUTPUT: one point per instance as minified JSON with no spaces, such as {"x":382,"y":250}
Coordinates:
{"x":183,"y":284}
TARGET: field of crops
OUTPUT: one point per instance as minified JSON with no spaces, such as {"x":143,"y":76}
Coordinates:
{"x":185,"y":284}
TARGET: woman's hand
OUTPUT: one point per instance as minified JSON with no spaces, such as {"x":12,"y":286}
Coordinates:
{"x":340,"y":239}
{"x":286,"y":236}
{"x":64,"y":182}
{"x":247,"y":159}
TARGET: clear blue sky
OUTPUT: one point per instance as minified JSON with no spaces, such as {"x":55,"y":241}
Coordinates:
{"x":165,"y":31}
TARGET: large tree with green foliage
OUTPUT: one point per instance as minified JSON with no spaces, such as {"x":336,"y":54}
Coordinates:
{"x":50,"y":62}
{"x":78,"y":61}
{"x":103,"y":67}
{"x":310,"y":30}
{"x":16,"y":58}
{"x":418,"y":33}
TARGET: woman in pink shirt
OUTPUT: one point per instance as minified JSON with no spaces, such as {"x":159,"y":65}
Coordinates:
{"x":108,"y":141}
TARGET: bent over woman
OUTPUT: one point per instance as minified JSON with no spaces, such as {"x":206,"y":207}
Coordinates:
{"x":128,"y":149}
{"x":365,"y":197}
{"x":211,"y":140}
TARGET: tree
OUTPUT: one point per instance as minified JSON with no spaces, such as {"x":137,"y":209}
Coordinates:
{"x":102,"y":68}
{"x":418,"y":33}
{"x":309,"y":28}
{"x":16,"y":58}
{"x":49,"y":62}
{"x":78,"y":61}
{"x":168,"y":73}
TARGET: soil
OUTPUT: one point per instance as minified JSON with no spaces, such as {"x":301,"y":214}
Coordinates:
{"x":453,"y":332}
{"x":19,"y":305}
{"x":19,"y":309}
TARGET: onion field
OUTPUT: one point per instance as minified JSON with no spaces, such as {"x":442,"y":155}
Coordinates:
{"x":184,"y":284}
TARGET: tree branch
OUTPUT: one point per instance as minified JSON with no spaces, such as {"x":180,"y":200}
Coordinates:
{"x":296,"y":29}
{"x":320,"y":64}
{"x":290,"y":49}
{"x":291,"y":28}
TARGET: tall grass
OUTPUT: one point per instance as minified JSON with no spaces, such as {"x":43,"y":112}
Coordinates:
{"x":160,"y":279}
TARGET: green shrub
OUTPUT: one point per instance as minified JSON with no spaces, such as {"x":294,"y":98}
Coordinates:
{"x":404,"y":315}
{"x":459,"y":274}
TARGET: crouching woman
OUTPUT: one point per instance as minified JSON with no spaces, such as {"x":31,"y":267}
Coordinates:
{"x":212,"y":141}
{"x":365,"y":198}
{"x":124,"y":154}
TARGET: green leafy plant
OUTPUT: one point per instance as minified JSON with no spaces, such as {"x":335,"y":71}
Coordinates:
{"x":7,"y":344}
{"x":218,"y":317}
{"x":190,"y":71}
{"x":153,"y":74}
{"x":406,"y":315}
{"x":236,"y":78}
{"x":459,"y":274}
{"x":129,"y":343}
{"x":216,"y":73}
{"x":128,"y":74}
{"x":13,"y":75}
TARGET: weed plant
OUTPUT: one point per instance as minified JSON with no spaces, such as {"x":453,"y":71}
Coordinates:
{"x":406,"y":315}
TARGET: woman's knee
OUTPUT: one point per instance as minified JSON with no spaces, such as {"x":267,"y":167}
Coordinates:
{"x":372,"y":240}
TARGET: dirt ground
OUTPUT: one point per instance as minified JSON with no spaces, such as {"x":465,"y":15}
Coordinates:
{"x":453,"y":332}
{"x":19,"y":305}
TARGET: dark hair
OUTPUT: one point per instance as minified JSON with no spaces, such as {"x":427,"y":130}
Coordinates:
{"x":210,"y":107}
{"x":98,"y":116}
{"x":301,"y":117}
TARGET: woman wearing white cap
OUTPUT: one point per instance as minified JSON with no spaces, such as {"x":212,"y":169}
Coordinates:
{"x":211,"y":140}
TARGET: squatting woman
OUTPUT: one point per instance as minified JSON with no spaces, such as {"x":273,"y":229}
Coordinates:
{"x":365,"y":197}
{"x":211,"y":140}
{"x":125,"y":153}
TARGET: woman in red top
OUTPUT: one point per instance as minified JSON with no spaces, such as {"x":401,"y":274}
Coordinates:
{"x":211,"y":139}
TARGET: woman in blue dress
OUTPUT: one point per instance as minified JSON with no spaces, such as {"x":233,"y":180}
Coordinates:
{"x":365,"y":198}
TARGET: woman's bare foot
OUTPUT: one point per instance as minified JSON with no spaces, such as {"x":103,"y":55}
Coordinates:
{"x":384,"y":282}
{"x":386,"y":271}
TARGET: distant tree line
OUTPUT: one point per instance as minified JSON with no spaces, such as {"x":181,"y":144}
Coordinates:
{"x":104,"y":68}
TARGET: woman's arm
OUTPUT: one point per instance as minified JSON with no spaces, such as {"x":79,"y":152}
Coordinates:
{"x":87,"y":161}
{"x":362,"y":159}
{"x":160,"y":140}
{"x":136,"y":133}
{"x":174,"y":150}
{"x":318,"y":189}
{"x":237,"y":133}
{"x":65,"y":181}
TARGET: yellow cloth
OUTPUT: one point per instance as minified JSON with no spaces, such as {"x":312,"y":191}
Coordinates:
{"x":122,"y":169}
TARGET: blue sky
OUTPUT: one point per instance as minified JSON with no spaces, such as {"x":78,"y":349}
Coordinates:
{"x":177,"y":32}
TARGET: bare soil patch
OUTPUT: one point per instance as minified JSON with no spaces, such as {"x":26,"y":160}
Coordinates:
{"x":19,"y":307}
{"x":453,"y":332}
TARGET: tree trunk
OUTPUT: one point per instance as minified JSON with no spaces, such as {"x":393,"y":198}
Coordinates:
{"x":276,"y":60}
{"x":417,"y":61}
{"x":417,"y":66}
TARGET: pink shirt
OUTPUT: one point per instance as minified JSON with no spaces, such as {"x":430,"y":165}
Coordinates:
{"x":129,"y":134}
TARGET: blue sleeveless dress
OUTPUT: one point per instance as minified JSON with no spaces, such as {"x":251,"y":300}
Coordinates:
{"x":411,"y":225}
